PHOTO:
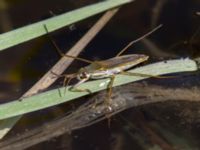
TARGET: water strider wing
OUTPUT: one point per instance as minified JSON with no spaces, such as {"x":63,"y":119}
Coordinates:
{"x":124,"y":62}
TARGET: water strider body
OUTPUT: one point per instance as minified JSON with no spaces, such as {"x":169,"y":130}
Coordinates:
{"x":105,"y":68}
{"x":112,"y":66}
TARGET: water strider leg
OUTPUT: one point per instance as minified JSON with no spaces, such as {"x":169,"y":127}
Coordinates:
{"x":75,"y":89}
{"x":67,"y":79}
{"x":138,"y":39}
{"x":60,"y":51}
{"x":110,"y":86}
{"x":66,"y":82}
{"x":143,"y":75}
{"x":108,"y":101}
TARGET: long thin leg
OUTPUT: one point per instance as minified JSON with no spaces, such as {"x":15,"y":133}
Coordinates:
{"x":110,"y":86}
{"x":67,"y":79}
{"x":59,"y":50}
{"x":66,"y":82}
{"x":73,"y":75}
{"x":144,"y":75}
{"x":108,"y":101}
{"x":75,"y":89}
{"x":138,"y":39}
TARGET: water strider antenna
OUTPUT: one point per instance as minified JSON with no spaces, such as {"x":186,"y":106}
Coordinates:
{"x":61,"y":53}
{"x":140,"y":38}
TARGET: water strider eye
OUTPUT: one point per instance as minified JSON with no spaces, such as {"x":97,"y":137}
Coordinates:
{"x":83,"y":75}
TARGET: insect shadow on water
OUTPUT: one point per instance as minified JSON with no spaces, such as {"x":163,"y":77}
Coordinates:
{"x":104,"y":68}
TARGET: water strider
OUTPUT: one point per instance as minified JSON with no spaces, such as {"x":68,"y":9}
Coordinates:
{"x":105,"y":68}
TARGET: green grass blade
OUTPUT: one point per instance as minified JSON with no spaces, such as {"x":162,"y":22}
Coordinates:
{"x":52,"y":98}
{"x":35,"y":30}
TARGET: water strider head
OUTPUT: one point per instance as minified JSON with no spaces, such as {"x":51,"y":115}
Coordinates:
{"x":83,"y":74}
